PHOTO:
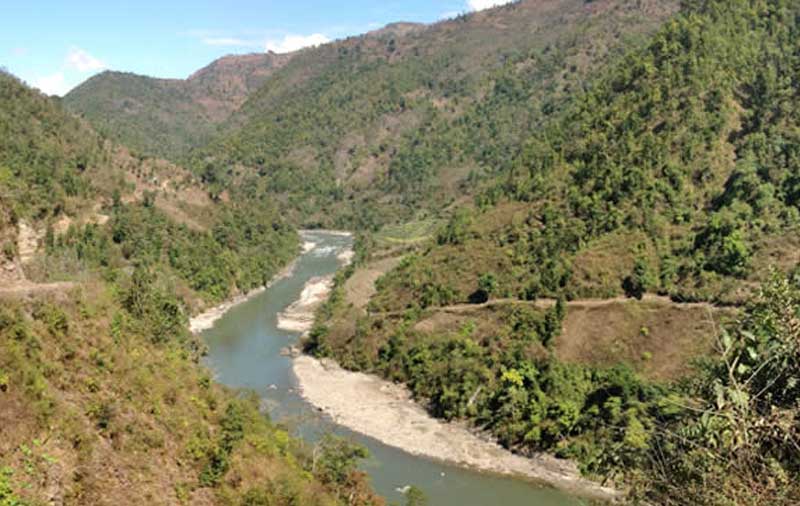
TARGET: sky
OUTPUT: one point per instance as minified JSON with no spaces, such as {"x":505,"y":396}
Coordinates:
{"x":54,"y":45}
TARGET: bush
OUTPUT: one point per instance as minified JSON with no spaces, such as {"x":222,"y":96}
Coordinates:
{"x":7,"y":495}
{"x":639,"y":281}
{"x":9,"y":250}
{"x":335,"y":459}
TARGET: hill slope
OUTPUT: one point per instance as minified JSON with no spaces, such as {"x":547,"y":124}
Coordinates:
{"x":102,"y":397}
{"x":168,"y":117}
{"x":675,"y":172}
{"x":382,"y":127}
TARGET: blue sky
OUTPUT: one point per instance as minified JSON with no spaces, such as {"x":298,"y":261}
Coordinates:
{"x":56,"y":44}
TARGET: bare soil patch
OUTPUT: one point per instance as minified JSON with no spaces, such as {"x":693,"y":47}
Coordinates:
{"x":361,"y":285}
{"x":660,"y":340}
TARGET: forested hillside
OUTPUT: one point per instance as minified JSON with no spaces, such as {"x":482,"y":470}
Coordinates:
{"x":45,"y":153}
{"x":168,"y":117}
{"x":674,"y":173}
{"x":102,"y":398}
{"x":388,"y":126}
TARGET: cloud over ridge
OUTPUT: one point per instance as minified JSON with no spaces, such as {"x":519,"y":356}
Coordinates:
{"x":80,"y":60}
{"x":291,"y":43}
{"x":479,"y":5}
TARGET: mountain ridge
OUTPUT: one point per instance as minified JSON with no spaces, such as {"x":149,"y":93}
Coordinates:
{"x":167,"y":116}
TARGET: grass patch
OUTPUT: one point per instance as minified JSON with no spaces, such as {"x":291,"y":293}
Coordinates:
{"x":411,"y":233}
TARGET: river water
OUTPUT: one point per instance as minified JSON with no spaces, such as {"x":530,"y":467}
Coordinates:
{"x":245,"y":352}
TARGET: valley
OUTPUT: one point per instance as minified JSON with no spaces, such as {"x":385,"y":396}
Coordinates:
{"x":572,"y":276}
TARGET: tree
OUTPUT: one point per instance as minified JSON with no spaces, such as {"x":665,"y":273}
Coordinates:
{"x":335,"y":459}
{"x":639,"y":281}
{"x":415,"y":497}
{"x":487,"y":285}
{"x":457,"y":228}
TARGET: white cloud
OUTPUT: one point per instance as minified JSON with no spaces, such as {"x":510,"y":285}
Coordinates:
{"x":292,"y":43}
{"x":479,"y":5}
{"x":54,"y":84}
{"x":80,"y":60}
{"x":77,"y":63}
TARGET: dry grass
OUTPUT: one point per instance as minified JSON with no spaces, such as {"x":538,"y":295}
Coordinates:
{"x":148,"y":448}
{"x":361,"y":285}
{"x":600,"y":267}
{"x":658,"y":340}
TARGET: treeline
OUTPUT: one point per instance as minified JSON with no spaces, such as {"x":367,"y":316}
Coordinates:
{"x":243,"y":250}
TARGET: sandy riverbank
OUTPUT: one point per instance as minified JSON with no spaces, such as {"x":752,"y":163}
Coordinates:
{"x":386,"y":412}
{"x":299,"y":316}
{"x":342,"y":233}
{"x":207,"y":318}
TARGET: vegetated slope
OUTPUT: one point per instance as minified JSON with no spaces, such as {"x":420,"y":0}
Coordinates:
{"x":677,"y":172}
{"x":46,"y":161}
{"x":44,"y":153}
{"x":381,"y":127}
{"x":102,"y":398}
{"x":168,"y":117}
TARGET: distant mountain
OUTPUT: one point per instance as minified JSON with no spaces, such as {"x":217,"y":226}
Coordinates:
{"x":167,"y":117}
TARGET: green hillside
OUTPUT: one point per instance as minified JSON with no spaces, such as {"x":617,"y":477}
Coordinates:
{"x":102,"y":396}
{"x":169,"y":117}
{"x":44,"y":153}
{"x":387,"y":126}
{"x":377,"y":128}
{"x":586,"y":214}
{"x":674,"y":174}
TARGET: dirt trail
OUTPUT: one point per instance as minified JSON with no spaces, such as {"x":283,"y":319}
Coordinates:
{"x":13,"y":283}
{"x":548,"y":303}
{"x":27,"y":242}
{"x":24,"y":288}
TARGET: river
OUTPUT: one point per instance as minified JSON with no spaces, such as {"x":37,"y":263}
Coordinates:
{"x":245,"y":352}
